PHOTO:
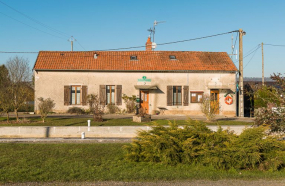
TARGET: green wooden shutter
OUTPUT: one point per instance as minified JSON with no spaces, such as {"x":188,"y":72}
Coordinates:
{"x":102,"y":94}
{"x":169,"y":96}
{"x":119,"y":95}
{"x":67,"y":93}
{"x":186,"y":95}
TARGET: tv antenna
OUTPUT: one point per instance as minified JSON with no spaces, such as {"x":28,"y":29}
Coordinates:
{"x":152,"y":30}
{"x":233,"y":48}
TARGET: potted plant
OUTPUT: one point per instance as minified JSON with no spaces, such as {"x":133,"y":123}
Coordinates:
{"x":142,"y":116}
{"x":156,"y":112}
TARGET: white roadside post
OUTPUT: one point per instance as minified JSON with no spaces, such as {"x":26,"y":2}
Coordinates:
{"x":83,"y":135}
{"x":89,"y":121}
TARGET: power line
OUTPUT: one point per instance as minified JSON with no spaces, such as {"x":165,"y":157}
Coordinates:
{"x":80,"y":45}
{"x":251,"y":57}
{"x":258,"y":46}
{"x":173,"y":42}
{"x":36,"y":21}
{"x":250,"y":52}
{"x":275,"y":45}
{"x":157,"y":44}
{"x":198,"y":38}
{"x":19,"y":52}
{"x":31,"y":26}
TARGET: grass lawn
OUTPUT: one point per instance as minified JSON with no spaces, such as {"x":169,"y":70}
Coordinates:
{"x":99,"y":162}
{"x":67,"y":121}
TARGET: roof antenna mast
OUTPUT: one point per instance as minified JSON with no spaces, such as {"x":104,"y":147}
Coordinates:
{"x":152,"y":30}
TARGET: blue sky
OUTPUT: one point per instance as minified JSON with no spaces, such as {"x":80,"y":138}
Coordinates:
{"x":109,"y":24}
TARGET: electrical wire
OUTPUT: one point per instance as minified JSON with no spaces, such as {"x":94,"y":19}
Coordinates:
{"x":173,"y":42}
{"x":36,"y":21}
{"x":19,"y":52}
{"x":249,"y":52}
{"x":274,"y":45}
{"x":31,"y":26}
{"x":252,"y":57}
{"x":257,"y":47}
{"x":160,"y":43}
{"x":80,"y":45}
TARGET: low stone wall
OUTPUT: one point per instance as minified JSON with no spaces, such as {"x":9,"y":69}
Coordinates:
{"x":90,"y":132}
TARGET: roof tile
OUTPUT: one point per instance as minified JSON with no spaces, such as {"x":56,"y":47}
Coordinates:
{"x":146,"y":61}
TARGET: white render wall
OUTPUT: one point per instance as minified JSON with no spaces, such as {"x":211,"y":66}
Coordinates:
{"x":50,"y":84}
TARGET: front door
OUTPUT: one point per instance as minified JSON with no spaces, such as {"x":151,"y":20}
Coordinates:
{"x":215,"y":100}
{"x":144,"y":100}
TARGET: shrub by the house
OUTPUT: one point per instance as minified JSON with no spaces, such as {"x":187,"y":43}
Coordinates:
{"x":45,"y":106}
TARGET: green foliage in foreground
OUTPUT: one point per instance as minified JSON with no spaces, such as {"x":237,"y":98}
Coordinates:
{"x":80,"y":121}
{"x":100,"y":162}
{"x":195,"y":144}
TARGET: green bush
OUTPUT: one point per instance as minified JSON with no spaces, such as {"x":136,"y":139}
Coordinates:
{"x":196,"y":144}
{"x":75,"y":110}
{"x":130,"y":102}
{"x":112,"y":109}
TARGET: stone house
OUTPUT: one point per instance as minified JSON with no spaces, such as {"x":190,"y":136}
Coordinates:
{"x":171,"y":81}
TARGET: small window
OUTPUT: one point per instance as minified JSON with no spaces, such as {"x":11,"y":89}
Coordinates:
{"x":196,"y":97}
{"x":177,"y":95}
{"x":75,"y":95}
{"x":134,"y":58}
{"x":172,"y":57}
{"x":110,"y":93}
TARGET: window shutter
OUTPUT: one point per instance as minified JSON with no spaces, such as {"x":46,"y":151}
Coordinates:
{"x":67,"y":95}
{"x":102,"y":94}
{"x":169,"y":95}
{"x":185,"y":95}
{"x":119,"y":95}
{"x":84,"y":95}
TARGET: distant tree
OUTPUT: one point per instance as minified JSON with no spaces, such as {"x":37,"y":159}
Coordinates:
{"x":19,"y":75}
{"x":265,"y":98}
{"x":5,"y":94}
{"x":45,"y":106}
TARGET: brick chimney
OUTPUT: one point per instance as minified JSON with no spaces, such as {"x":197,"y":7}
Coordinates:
{"x":148,"y":44}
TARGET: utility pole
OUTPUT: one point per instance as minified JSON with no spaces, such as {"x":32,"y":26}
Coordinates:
{"x":241,"y":96}
{"x":262,"y":65}
{"x":71,"y":39}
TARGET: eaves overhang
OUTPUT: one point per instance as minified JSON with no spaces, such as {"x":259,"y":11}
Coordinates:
{"x":159,"y":71}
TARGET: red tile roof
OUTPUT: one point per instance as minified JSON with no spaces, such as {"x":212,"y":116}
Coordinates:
{"x":146,"y":61}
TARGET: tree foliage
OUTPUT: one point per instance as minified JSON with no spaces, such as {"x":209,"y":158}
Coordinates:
{"x":95,"y":107}
{"x":45,"y":106}
{"x":5,"y":95}
{"x":130,"y":102}
{"x":273,"y":118}
{"x":19,"y":87}
{"x":209,"y":107}
{"x":196,"y":144}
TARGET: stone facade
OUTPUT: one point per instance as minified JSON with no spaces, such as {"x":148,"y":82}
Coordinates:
{"x":50,"y":84}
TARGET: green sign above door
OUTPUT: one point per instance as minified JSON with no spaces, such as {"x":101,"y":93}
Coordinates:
{"x":144,"y":79}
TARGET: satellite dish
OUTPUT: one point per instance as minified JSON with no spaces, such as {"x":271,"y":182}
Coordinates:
{"x":153,"y":45}
{"x":95,"y":56}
